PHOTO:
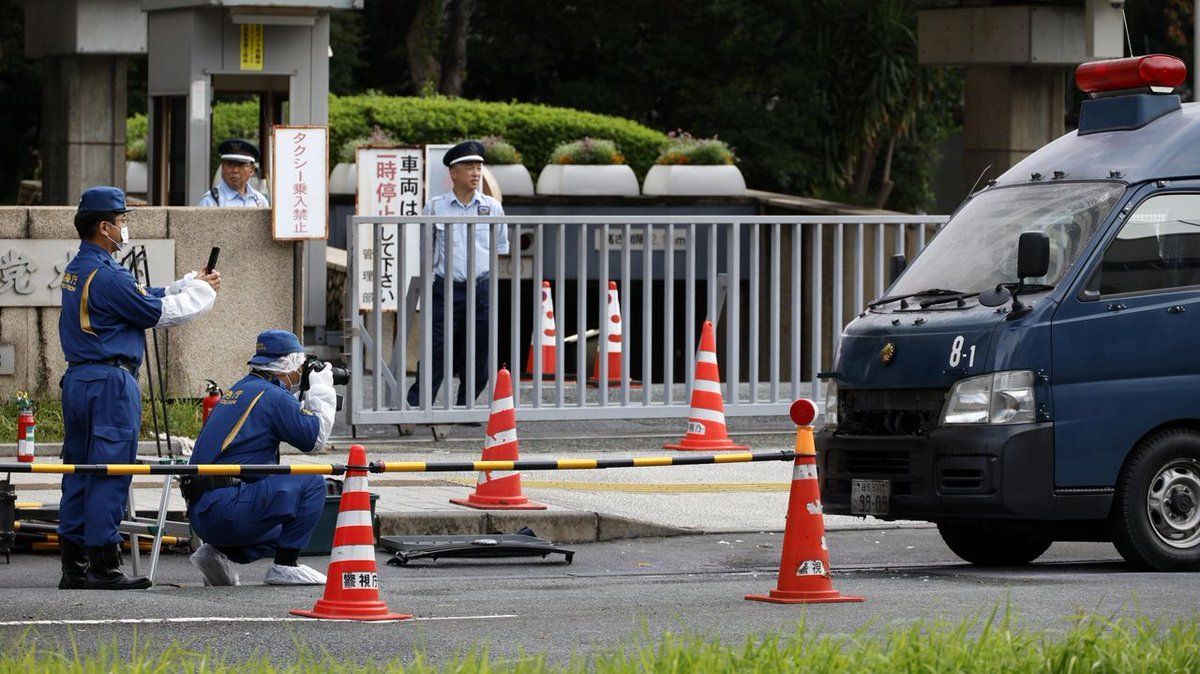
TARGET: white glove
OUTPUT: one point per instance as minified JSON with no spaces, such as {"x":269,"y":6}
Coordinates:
{"x":190,"y":299}
{"x":321,"y":400}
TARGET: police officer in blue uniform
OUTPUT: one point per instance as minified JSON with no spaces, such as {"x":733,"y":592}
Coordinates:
{"x":465,"y":162}
{"x":246,"y":518}
{"x":105,"y":313}
{"x":239,"y":162}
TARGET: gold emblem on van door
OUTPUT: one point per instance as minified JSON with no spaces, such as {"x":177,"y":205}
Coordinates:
{"x":888,"y":353}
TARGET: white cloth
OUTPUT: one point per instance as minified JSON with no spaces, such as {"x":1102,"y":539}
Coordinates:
{"x":300,"y":574}
{"x":284,"y":364}
{"x":185,"y":300}
{"x":321,"y":400}
{"x":216,"y":568}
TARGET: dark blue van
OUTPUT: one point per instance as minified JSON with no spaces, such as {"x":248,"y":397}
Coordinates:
{"x":1034,"y":375}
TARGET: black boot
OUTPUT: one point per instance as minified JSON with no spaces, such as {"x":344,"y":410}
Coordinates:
{"x":74,"y":565}
{"x":104,"y":570}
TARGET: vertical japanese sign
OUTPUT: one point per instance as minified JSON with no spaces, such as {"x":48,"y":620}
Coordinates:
{"x":300,"y":184}
{"x":390,"y":183}
{"x":252,"y":45}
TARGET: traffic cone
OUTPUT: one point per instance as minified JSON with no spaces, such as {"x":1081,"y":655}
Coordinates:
{"x":804,"y":563}
{"x":706,"y":422}
{"x":546,"y":340}
{"x":352,"y":585}
{"x":611,"y":348}
{"x":500,"y":490}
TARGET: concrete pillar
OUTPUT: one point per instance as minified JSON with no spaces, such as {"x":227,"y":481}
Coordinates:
{"x":83,"y":126}
{"x":1010,"y":112}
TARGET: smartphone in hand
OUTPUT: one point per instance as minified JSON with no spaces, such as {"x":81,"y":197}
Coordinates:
{"x":212,"y":260}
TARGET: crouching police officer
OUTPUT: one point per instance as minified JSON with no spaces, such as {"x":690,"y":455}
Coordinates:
{"x":105,"y":313}
{"x":243,"y":519}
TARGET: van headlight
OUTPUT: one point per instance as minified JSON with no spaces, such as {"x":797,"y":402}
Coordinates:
{"x":831,"y":403}
{"x":997,"y":398}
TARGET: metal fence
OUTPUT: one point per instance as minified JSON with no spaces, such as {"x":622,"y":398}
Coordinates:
{"x":778,"y":289}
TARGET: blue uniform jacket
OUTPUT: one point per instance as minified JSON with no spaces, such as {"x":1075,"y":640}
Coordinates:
{"x":104,"y":310}
{"x":250,"y":421}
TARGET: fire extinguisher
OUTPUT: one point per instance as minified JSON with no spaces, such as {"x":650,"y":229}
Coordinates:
{"x":212,"y":395}
{"x":26,"y":429}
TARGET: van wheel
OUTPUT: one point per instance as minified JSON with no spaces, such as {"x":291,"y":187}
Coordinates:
{"x":1156,"y":509}
{"x":986,"y":546}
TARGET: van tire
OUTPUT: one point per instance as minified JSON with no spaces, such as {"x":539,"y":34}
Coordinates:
{"x":1165,"y":466}
{"x":990,"y":546}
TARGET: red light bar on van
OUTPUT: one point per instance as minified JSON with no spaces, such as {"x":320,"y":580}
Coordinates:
{"x":1158,"y":73}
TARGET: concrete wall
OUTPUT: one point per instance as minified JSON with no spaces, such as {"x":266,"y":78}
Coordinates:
{"x":256,"y":294}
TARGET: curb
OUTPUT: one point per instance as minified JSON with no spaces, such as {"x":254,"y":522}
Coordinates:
{"x":560,"y":526}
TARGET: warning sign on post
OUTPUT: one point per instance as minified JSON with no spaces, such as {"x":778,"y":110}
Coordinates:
{"x":300,"y":184}
{"x":252,"y":46}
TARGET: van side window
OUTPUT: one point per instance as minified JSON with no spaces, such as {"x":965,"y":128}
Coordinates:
{"x":1158,"y":248}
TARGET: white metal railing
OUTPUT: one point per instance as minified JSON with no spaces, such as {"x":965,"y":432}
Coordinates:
{"x":799,"y":279}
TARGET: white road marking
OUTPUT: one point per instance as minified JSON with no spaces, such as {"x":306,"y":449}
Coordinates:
{"x":166,"y":621}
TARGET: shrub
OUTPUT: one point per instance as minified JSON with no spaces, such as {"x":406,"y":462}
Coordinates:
{"x":591,"y":151}
{"x":496,"y":150}
{"x":684,"y":149}
{"x":137,"y":137}
{"x":349,"y":150}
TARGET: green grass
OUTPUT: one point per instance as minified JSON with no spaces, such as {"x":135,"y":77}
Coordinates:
{"x":994,"y":644}
{"x":183,"y":415}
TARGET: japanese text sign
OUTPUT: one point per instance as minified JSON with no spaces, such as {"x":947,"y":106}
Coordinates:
{"x":300,"y":184}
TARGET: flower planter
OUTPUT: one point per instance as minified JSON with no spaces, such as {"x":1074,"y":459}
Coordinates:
{"x":616,"y":179}
{"x":679,"y":180}
{"x":512,"y":178}
{"x":344,"y":178}
{"x":136,"y":177}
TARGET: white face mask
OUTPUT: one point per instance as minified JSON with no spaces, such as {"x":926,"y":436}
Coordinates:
{"x":124,"y":238}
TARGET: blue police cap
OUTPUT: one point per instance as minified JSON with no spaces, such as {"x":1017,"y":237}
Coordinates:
{"x":102,"y":199}
{"x":237,"y":149}
{"x":470,"y":150}
{"x":274,"y":344}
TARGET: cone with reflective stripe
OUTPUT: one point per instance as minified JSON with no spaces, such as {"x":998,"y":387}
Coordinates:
{"x":500,"y":490}
{"x":612,"y":347}
{"x":352,"y":588}
{"x":546,"y":340}
{"x":804,"y":565}
{"x":706,"y":422}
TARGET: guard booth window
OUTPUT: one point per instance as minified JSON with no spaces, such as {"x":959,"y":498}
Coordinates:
{"x":1158,"y":248}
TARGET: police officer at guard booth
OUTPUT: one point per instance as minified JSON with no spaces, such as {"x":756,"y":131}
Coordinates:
{"x":465,"y":161}
{"x":105,"y":313}
{"x":239,"y":163}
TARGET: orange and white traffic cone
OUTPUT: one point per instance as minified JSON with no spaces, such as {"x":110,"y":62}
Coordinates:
{"x":611,"y":348}
{"x":706,"y":422}
{"x":352,"y":585}
{"x":497,"y":490}
{"x":546,"y":340}
{"x":804,"y":563}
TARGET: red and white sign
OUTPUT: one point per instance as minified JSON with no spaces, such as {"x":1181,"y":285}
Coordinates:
{"x":390,"y":184}
{"x":300,"y":184}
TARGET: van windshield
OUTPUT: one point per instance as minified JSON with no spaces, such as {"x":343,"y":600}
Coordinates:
{"x":977,"y":249}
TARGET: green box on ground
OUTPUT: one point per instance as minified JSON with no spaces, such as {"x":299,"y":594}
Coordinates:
{"x":321,"y":542}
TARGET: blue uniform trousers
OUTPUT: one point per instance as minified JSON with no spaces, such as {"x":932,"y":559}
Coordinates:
{"x":460,"y":314}
{"x":252,"y":520}
{"x":102,"y":415}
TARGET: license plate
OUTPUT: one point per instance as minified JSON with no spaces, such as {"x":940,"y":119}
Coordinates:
{"x":870,"y":497}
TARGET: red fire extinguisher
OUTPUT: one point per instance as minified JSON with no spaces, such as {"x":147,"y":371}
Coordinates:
{"x":212,"y":395}
{"x":26,"y":429}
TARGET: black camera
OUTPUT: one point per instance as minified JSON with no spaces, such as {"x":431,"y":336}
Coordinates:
{"x":341,"y":376}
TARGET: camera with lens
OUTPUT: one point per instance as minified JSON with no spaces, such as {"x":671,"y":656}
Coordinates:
{"x":341,"y":376}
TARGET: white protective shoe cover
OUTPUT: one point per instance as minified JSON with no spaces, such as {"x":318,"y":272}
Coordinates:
{"x":293,"y":575}
{"x":215,"y":567}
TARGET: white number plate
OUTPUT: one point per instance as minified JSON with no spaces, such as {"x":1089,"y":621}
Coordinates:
{"x":870,"y":497}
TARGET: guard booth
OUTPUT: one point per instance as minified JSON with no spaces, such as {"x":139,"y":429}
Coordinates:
{"x":273,"y":51}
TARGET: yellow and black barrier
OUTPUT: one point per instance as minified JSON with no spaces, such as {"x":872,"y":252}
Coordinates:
{"x":394,"y":466}
{"x":576,"y":464}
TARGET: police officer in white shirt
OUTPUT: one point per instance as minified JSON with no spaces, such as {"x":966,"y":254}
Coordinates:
{"x":465,"y":162}
{"x":239,"y":162}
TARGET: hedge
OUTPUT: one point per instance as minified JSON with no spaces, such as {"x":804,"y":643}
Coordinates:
{"x":535,"y":130}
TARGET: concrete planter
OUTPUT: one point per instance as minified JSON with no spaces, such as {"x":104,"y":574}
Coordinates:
{"x":512,"y":178}
{"x":344,"y":178}
{"x":136,"y":178}
{"x":618,"y":180}
{"x":676,"y":180}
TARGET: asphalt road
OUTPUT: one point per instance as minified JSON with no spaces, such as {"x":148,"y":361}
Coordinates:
{"x":612,"y":594}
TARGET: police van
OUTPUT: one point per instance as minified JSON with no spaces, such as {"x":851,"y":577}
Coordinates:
{"x":1034,"y":374}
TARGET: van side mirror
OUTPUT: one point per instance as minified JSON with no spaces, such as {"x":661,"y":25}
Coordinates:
{"x":896,"y":266}
{"x":1033,"y":255}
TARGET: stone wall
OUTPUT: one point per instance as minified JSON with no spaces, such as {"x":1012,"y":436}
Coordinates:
{"x":256,"y":294}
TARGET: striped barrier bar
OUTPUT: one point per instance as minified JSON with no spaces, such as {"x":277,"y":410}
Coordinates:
{"x":576,"y":464}
{"x":168,"y":469}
